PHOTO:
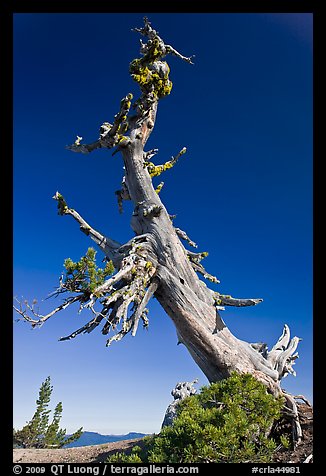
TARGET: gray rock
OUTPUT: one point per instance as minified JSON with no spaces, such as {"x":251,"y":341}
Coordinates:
{"x":179,"y":393}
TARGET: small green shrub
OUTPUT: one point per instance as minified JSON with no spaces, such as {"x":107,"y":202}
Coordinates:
{"x":85,"y":275}
{"x":227,"y":422}
{"x":122,"y":458}
{"x":285,"y":441}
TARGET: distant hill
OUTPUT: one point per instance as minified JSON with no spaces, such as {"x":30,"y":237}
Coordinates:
{"x":89,"y":438}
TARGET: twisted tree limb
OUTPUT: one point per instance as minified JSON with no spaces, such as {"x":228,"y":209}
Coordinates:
{"x":283,"y":355}
{"x":107,"y":245}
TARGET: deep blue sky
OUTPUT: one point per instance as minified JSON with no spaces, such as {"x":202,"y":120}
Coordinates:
{"x":243,"y":192}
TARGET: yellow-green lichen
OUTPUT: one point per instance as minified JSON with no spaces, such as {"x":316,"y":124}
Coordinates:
{"x":156,"y":170}
{"x":62,"y":205}
{"x":150,"y":80}
{"x":133,"y":271}
{"x":159,"y":187}
{"x":123,"y":126}
{"x":121,"y":138}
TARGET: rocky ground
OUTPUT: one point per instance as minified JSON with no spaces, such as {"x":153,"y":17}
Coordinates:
{"x":304,"y":450}
{"x":81,"y":454}
{"x":98,"y":453}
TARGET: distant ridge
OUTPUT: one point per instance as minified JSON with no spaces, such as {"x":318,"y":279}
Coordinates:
{"x":89,"y":438}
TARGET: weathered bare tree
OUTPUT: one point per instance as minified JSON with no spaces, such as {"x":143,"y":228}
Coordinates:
{"x":155,"y":261}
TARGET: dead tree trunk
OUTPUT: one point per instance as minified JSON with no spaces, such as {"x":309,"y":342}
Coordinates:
{"x":155,"y":261}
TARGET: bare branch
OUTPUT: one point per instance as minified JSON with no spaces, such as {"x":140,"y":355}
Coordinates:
{"x":84,"y":148}
{"x":108,"y":246}
{"x":287,"y":358}
{"x":110,"y":134}
{"x":40,"y":319}
{"x":148,"y":155}
{"x":308,"y":459}
{"x":282,"y":356}
{"x":88,"y":327}
{"x":282,"y":342}
{"x":201,"y":270}
{"x":149,"y":293}
{"x":156,"y":170}
{"x":122,"y":194}
{"x":303,"y":398}
{"x":107,"y":286}
{"x":183,"y":235}
{"x":146,"y":30}
{"x":280,"y":345}
{"x":196,"y":257}
{"x":161,"y":48}
{"x":151,"y":211}
{"x":227,"y":300}
{"x":119,"y":335}
{"x":114,"y":317}
{"x":173,"y":51}
{"x":120,"y":124}
{"x":159,"y":187}
{"x":292,"y":408}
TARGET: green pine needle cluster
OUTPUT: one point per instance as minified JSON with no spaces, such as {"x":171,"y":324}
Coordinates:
{"x":227,"y":422}
{"x":39,"y":432}
{"x":84,"y":275}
